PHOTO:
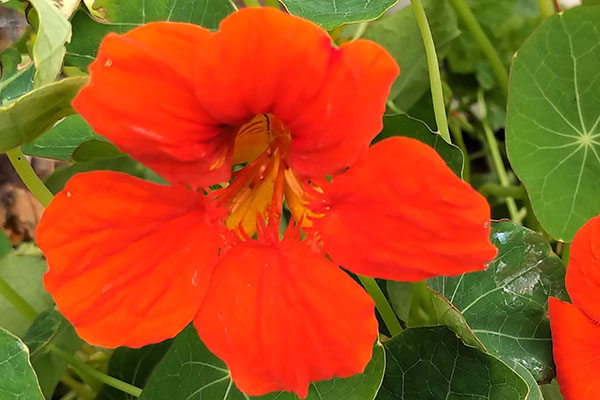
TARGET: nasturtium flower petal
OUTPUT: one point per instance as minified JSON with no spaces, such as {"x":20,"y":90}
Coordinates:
{"x":583,"y":273}
{"x":402,"y":214}
{"x":263,"y":61}
{"x":576,"y":347}
{"x":141,"y":98}
{"x":282,"y":316}
{"x":129,"y":260}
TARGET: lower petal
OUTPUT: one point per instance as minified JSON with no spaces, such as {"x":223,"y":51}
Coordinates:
{"x":129,"y":260}
{"x":576,"y":344}
{"x":402,"y":214}
{"x":583,"y":273}
{"x":284,"y":317}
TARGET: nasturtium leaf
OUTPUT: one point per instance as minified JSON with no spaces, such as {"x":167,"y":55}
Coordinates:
{"x":590,"y":2}
{"x":95,"y":149}
{"x":121,"y":16}
{"x":17,"y":78}
{"x":53,"y":32}
{"x":401,"y":37}
{"x":133,"y":366}
{"x":333,"y":13}
{"x":403,"y":125}
{"x":36,"y":112}
{"x":431,"y":363}
{"x":24,"y":275}
{"x":62,"y":140}
{"x":17,"y":379}
{"x":189,"y":371}
{"x":553,"y":120}
{"x":506,"y":305}
{"x":50,"y":327}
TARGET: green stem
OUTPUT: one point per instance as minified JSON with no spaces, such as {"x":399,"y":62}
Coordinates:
{"x":252,"y":3}
{"x":484,"y":43}
{"x":29,"y":177}
{"x":497,"y":158}
{"x":383,"y":306}
{"x":517,"y":192}
{"x":18,"y":302}
{"x":80,"y":366}
{"x":272,"y":3}
{"x":81,"y":389}
{"x":546,"y":8}
{"x":435,"y":80}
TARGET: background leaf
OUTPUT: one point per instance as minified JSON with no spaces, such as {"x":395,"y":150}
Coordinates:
{"x":17,"y":78}
{"x":36,"y":112}
{"x":431,"y":363}
{"x":553,"y":120}
{"x":333,"y":13}
{"x":403,"y":125}
{"x":122,"y":16}
{"x":24,"y":275}
{"x":50,"y":327}
{"x":17,"y":379}
{"x":190,"y":371}
{"x":506,"y":305}
{"x":400,"y":35}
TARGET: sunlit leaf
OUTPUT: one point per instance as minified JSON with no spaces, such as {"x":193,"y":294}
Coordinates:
{"x":189,"y":370}
{"x":36,"y":112}
{"x":121,"y":16}
{"x":332,"y":13}
{"x":432,"y":363}
{"x":49,"y":47}
{"x":506,"y":305}
{"x":553,"y":121}
{"x":17,"y":379}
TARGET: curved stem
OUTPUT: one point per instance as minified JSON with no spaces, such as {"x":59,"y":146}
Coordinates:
{"x":29,"y":177}
{"x":435,"y":79}
{"x":383,"y":306}
{"x":497,"y":158}
{"x":79,"y":365}
{"x":546,"y":8}
{"x":252,"y":3}
{"x":484,"y":43}
{"x":18,"y":302}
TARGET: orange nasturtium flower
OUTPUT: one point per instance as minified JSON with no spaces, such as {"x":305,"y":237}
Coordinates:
{"x":133,"y":262}
{"x":576,"y":327}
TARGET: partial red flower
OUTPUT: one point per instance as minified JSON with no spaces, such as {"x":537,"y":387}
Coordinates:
{"x":133,"y":262}
{"x":576,"y":326}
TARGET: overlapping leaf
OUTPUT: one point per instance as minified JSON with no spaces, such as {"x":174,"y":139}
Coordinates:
{"x":17,"y":379}
{"x":190,"y":371}
{"x":506,"y":305}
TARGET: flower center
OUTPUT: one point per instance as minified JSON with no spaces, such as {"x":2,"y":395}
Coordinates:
{"x":255,"y":196}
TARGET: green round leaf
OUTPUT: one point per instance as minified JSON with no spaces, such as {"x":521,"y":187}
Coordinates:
{"x":553,"y":120}
{"x":431,"y":363}
{"x":333,"y":13}
{"x":17,"y":379}
{"x":506,"y":305}
{"x":190,"y":371}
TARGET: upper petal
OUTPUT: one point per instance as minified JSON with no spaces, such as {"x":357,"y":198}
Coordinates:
{"x":140,"y":97}
{"x":332,"y":99}
{"x":576,"y":348}
{"x":402,"y":214}
{"x":583,"y":273}
{"x":129,"y":261}
{"x":284,"y":317}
